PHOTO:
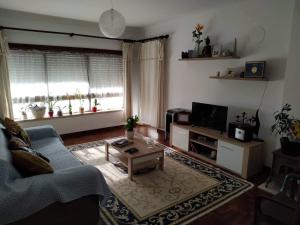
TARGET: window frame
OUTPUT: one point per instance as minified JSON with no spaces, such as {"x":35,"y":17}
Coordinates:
{"x":58,"y":49}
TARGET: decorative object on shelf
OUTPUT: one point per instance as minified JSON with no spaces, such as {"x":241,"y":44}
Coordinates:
{"x":289,"y":129}
{"x":255,"y":69}
{"x":190,"y":53}
{"x":184,"y":55}
{"x":94,"y":109}
{"x":112,"y":23}
{"x":218,"y":74}
{"x":217,"y":49}
{"x":38,"y":112}
{"x":51,"y":104}
{"x":130,"y":125}
{"x":207,"y":50}
{"x":197,"y":38}
{"x":59,"y":111}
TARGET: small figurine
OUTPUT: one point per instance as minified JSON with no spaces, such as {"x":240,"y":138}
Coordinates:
{"x":207,"y":50}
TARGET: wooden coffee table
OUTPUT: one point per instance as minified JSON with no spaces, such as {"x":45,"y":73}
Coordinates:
{"x":146,"y":156}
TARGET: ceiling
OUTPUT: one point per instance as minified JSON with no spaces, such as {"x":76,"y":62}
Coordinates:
{"x":138,"y":13}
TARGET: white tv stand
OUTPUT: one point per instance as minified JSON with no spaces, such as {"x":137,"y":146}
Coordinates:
{"x":242,"y":158}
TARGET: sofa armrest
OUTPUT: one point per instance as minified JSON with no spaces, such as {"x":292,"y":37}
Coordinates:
{"x":40,"y":132}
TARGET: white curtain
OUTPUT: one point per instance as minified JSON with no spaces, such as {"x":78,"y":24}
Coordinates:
{"x":127,"y":51}
{"x":5,"y":97}
{"x":152,"y":99}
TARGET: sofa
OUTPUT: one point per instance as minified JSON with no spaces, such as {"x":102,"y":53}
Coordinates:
{"x":70,"y":195}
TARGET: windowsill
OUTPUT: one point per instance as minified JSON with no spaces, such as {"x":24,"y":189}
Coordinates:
{"x":66,"y":115}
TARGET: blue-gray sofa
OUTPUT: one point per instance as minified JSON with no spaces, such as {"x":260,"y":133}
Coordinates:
{"x":70,"y":195}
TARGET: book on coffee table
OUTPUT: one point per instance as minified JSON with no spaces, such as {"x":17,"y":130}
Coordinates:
{"x":121,"y":143}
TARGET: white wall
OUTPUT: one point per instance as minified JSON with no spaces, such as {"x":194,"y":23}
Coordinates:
{"x":34,"y":21}
{"x":189,"y":81}
{"x":291,"y":91}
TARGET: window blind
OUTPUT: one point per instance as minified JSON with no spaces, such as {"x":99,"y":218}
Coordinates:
{"x":67,"y":74}
{"x":27,"y":76}
{"x":105,"y":75}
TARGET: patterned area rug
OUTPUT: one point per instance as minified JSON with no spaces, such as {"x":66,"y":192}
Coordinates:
{"x":186,"y":190}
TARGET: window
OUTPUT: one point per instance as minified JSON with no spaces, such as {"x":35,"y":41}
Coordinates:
{"x":38,"y":75}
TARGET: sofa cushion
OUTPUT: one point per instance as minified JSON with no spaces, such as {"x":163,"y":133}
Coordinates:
{"x":30,"y":164}
{"x":56,"y":152}
{"x":16,"y":143}
{"x":16,"y":130}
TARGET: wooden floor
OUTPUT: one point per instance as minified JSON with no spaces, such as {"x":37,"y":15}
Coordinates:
{"x":239,"y":211}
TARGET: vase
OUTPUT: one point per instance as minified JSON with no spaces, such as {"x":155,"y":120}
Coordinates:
{"x":81,"y":110}
{"x":197,"y":52}
{"x":288,"y":147}
{"x":50,"y":113}
{"x":59,"y":113}
{"x":129,"y":134}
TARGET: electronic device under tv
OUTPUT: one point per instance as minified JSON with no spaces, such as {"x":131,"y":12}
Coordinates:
{"x":210,"y":116}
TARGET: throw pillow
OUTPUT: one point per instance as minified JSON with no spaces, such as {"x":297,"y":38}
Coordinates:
{"x":29,"y":164}
{"x":14,"y":128}
{"x":16,"y":143}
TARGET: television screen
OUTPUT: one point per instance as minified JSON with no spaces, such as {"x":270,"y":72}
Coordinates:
{"x":211,"y":116}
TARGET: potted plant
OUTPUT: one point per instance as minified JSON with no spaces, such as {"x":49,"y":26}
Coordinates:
{"x":51,"y":104}
{"x":70,"y":107}
{"x":38,"y":112}
{"x":23,"y":111}
{"x":94,"y":109}
{"x":130,"y":125}
{"x":289,"y":129}
{"x":79,"y":96}
{"x":197,"y":38}
{"x":59,"y":111}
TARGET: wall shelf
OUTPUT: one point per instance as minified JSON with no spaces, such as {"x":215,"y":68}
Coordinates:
{"x":209,"y":58}
{"x":239,"y":78}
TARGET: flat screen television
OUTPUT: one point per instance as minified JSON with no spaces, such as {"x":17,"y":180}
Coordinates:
{"x":211,"y":116}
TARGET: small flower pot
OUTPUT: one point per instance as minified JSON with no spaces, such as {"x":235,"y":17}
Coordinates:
{"x":50,"y":113}
{"x":94,"y":109}
{"x":59,"y":113}
{"x":81,"y":110}
{"x":130,"y":134}
{"x":24,"y":115}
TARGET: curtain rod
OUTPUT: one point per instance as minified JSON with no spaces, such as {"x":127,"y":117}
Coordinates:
{"x":81,"y":35}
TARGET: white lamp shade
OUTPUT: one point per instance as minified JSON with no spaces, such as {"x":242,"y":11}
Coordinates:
{"x":112,"y":23}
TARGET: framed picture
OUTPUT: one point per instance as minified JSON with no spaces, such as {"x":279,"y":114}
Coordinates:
{"x":216,"y":52}
{"x":255,"y":69}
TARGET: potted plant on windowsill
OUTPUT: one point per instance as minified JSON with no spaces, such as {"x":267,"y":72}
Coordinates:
{"x":23,"y":111}
{"x":79,"y":96}
{"x":38,"y":112}
{"x":59,"y":111}
{"x":51,"y":104}
{"x":94,"y":109}
{"x":289,"y":129}
{"x":130,"y":125}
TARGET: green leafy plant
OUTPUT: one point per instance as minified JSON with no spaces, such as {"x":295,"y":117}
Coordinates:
{"x":131,"y":122}
{"x":80,"y":97}
{"x":283,"y":122}
{"x":51,"y":103}
{"x":96,"y":102}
